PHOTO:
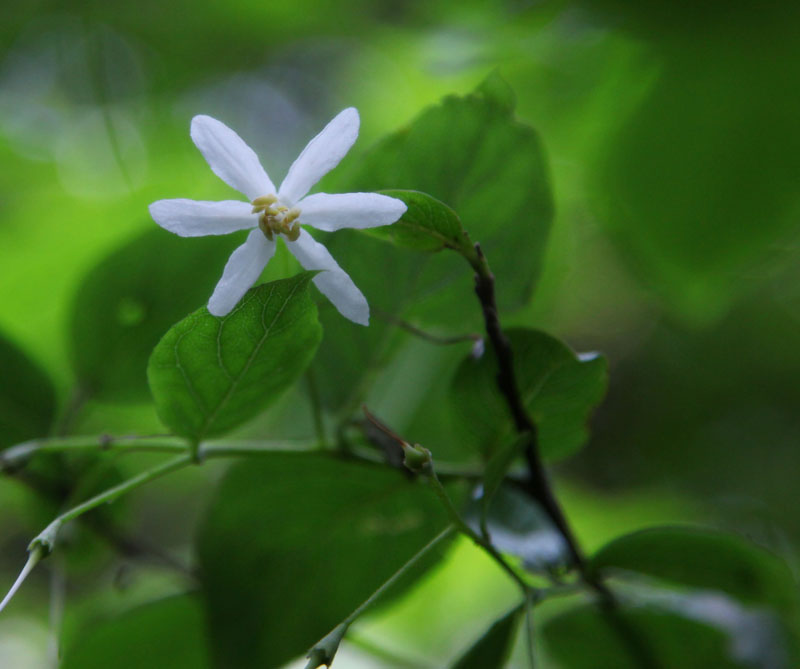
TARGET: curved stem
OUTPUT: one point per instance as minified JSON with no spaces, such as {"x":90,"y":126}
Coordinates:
{"x":316,"y":407}
{"x":427,"y":336}
{"x":33,"y":559}
{"x":537,"y":486}
{"x":325,"y":649}
{"x":529,"y":647}
{"x":17,"y":455}
{"x":465,"y":529}
{"x":44,"y":543}
{"x":46,"y":538}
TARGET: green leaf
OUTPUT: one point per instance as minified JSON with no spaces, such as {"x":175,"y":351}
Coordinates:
{"x":494,"y":647}
{"x":497,"y":467}
{"x":27,"y":397}
{"x":28,"y":410}
{"x":294,"y":543}
{"x":558,"y":388}
{"x":427,"y":224}
{"x":473,"y":155}
{"x":467,"y":155}
{"x":583,"y":638}
{"x":698,"y":187}
{"x":167,"y":633}
{"x":210,"y":374}
{"x":518,"y":526}
{"x":496,"y":89}
{"x":703,"y":558}
{"x":130,"y":298}
{"x":351,"y":355}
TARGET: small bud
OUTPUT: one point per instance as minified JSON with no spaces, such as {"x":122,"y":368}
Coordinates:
{"x":317,"y":658}
{"x":322,"y":654}
{"x":417,"y":458}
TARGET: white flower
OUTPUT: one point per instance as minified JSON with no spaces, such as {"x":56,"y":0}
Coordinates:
{"x":270,"y":212}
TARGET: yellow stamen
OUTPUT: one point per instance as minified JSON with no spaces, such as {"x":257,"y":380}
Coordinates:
{"x":263,"y":202}
{"x":293,"y":233}
{"x":278,"y":220}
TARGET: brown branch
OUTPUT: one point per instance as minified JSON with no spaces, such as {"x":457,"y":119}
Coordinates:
{"x":536,"y":484}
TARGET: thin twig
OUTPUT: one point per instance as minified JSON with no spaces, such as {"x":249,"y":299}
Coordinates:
{"x":77,"y":399}
{"x":429,"y":471}
{"x":325,"y":649}
{"x":427,"y":336}
{"x":18,"y":455}
{"x":528,"y":622}
{"x":47,"y":537}
{"x":15,"y":457}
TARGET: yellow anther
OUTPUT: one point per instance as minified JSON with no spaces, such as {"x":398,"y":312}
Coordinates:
{"x":277,"y":220}
{"x":263,"y":202}
{"x":293,"y":233}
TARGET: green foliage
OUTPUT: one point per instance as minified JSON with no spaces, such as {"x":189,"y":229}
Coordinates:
{"x":125,"y":304}
{"x":703,"y":558}
{"x":558,"y":388}
{"x":473,"y":155}
{"x":496,"y":89}
{"x":469,"y":155}
{"x":697,"y":187}
{"x":518,"y":526}
{"x":672,"y":131}
{"x":734,"y":415}
{"x":294,"y":543}
{"x":583,"y":638}
{"x":210,"y":374}
{"x":27,"y":397}
{"x":497,"y":467}
{"x":427,"y":225}
{"x":350,"y":355}
{"x":494,"y":647}
{"x":166,"y":633}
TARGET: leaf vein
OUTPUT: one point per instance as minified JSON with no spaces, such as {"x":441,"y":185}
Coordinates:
{"x":235,"y":380}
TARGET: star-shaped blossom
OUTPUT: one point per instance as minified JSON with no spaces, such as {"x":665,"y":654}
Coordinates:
{"x":273,"y":212}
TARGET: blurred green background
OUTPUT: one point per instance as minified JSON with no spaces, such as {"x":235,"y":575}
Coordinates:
{"x":671,"y":135}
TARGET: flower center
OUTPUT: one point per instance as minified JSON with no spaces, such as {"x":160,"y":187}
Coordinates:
{"x":275,"y":219}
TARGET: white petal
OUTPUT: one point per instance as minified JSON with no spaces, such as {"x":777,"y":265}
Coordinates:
{"x":349,"y":210}
{"x":241,"y":271}
{"x":190,"y":218}
{"x":322,"y":154}
{"x":334,"y":283}
{"x":230,"y":158}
